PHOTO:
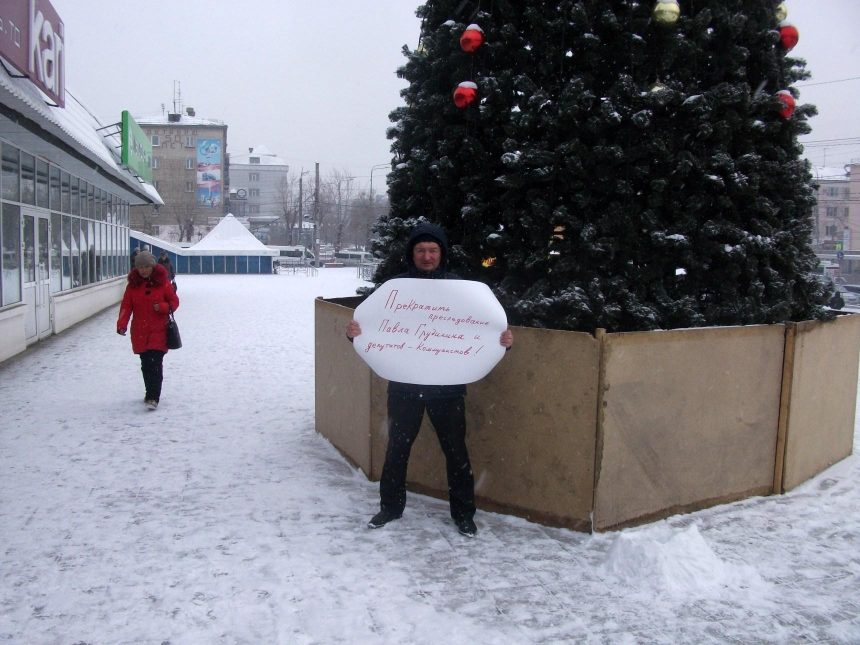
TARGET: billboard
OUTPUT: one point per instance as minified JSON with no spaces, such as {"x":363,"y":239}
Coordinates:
{"x":136,"y":148}
{"x":209,"y":173}
{"x":32,"y":38}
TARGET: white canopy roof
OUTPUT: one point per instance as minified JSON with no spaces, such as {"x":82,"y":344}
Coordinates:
{"x":231,"y":237}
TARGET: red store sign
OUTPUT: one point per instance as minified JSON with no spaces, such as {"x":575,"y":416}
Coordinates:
{"x":32,"y":39}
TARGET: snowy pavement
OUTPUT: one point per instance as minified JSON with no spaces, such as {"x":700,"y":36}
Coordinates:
{"x":223,"y":518}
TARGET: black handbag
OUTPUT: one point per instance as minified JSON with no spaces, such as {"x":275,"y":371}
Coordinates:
{"x":174,"y":341}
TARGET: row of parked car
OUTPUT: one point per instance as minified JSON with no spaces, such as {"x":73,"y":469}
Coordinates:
{"x":304,"y":255}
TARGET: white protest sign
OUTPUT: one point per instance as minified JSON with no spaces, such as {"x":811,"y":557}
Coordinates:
{"x":431,"y":332}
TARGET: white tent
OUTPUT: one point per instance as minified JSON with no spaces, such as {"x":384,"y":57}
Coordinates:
{"x":231,"y":236}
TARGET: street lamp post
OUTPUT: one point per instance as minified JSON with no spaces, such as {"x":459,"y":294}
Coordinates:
{"x":301,"y":218}
{"x":376,"y":167}
{"x":372,"y":203}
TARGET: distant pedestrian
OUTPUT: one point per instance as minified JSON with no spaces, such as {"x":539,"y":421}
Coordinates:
{"x":134,"y":255}
{"x":148,"y":300}
{"x":164,"y":260}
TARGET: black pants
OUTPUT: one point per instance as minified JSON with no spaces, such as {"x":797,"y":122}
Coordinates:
{"x":150,"y":365}
{"x":448,"y":416}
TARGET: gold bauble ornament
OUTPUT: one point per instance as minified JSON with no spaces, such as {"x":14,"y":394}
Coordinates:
{"x":666,"y":12}
{"x":781,"y":12}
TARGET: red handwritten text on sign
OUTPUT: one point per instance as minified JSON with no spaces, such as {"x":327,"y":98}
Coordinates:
{"x":431,"y":332}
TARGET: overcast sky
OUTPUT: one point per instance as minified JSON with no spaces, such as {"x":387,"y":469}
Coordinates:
{"x":315,"y":80}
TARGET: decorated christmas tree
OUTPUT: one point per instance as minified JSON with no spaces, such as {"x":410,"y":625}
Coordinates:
{"x":610,"y":163}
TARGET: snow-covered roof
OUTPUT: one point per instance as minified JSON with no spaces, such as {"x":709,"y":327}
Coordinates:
{"x":830,"y":173}
{"x":231,"y":236}
{"x":75,"y":126}
{"x":184,"y":120}
{"x":262,"y":153}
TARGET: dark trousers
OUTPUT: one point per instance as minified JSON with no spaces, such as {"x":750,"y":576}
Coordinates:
{"x":151,"y":366}
{"x":448,"y":416}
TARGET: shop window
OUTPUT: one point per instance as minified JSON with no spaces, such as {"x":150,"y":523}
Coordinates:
{"x":101,"y":251}
{"x":11,"y":173}
{"x":55,"y":203}
{"x":10,"y":261}
{"x":75,"y":251}
{"x":56,"y":252}
{"x":86,"y":204}
{"x":96,"y":204}
{"x":65,"y":189}
{"x":67,"y":252}
{"x":28,"y":178}
{"x":74,"y":183}
{"x":41,"y":183}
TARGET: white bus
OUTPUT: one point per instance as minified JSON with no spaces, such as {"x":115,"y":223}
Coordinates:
{"x":352,"y":257}
{"x":294,"y":254}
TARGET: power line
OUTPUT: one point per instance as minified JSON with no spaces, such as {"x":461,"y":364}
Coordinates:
{"x":839,"y":80}
{"x":829,"y":140}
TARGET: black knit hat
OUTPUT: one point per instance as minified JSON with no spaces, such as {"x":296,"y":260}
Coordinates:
{"x":426,"y":232}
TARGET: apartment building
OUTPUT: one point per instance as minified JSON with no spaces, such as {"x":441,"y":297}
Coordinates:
{"x":259,"y":189}
{"x":189,"y":170}
{"x":836,"y":236}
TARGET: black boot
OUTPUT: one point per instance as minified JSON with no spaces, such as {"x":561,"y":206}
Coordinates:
{"x":382,"y":518}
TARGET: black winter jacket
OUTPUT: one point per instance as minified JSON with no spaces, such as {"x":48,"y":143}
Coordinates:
{"x":423,"y":231}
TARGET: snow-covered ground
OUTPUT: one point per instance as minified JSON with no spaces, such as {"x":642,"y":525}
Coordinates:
{"x":222,"y":517}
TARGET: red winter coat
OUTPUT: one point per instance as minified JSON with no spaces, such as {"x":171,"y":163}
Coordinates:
{"x":148,"y":327}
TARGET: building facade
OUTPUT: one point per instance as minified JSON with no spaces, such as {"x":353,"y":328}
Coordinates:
{"x":260,"y":193}
{"x":189,"y":171}
{"x":64,"y":195}
{"x":837,"y":218}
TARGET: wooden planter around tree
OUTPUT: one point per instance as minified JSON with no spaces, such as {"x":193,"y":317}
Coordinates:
{"x":596,"y":432}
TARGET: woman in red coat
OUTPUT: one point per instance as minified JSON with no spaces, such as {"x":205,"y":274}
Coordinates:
{"x":147,"y":302}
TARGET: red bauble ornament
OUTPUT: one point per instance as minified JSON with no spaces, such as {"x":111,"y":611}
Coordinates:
{"x":472,"y":38}
{"x":789,"y":35}
{"x":788,"y":103}
{"x":465,"y":94}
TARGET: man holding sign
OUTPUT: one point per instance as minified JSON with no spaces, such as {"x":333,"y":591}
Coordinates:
{"x":423,"y":341}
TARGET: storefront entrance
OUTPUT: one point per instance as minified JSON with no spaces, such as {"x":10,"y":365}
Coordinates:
{"x":37,"y":279}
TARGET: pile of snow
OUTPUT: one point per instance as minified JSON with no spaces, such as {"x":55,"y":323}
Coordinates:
{"x":676,"y":562}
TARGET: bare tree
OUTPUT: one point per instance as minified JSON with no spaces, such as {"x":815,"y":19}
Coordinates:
{"x":145,"y":218}
{"x":288,"y":207}
{"x":183,"y":215}
{"x":363,"y":214}
{"x":336,"y":195}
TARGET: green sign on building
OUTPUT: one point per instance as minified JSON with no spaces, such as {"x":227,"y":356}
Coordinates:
{"x":136,"y":148}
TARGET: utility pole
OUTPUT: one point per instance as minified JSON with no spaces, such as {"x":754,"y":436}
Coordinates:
{"x":317,"y":214}
{"x":301,"y":221}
